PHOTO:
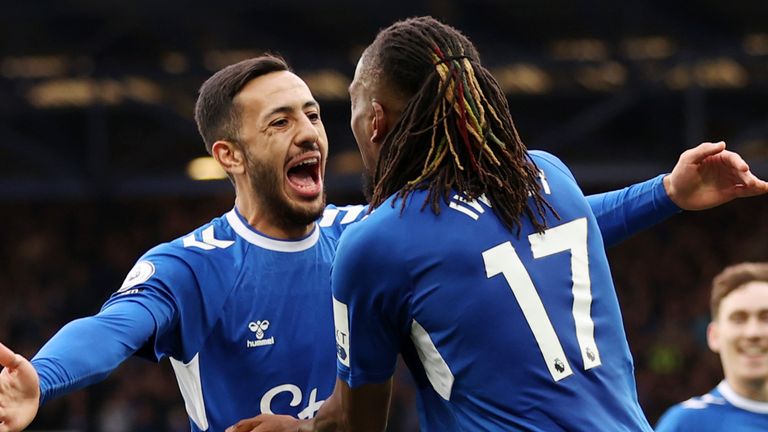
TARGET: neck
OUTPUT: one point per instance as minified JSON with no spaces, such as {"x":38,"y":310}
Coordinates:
{"x":262,"y":220}
{"x":754,"y":389}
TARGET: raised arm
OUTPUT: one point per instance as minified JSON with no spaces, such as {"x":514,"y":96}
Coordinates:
{"x":708,"y":175}
{"x":705,"y":176}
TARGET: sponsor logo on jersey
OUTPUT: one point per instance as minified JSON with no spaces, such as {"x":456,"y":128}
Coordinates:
{"x":259,"y":327}
{"x":140,"y":273}
{"x":312,"y":405}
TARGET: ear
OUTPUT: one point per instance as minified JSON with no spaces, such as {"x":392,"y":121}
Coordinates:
{"x":379,"y":123}
{"x":713,"y":337}
{"x":229,"y":156}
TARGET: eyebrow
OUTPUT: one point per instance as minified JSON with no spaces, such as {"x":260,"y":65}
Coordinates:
{"x":288,"y":109}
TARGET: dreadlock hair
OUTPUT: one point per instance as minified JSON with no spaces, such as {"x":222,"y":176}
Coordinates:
{"x":455,"y":132}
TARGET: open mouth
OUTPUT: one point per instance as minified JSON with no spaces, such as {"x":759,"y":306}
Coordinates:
{"x":304,"y":176}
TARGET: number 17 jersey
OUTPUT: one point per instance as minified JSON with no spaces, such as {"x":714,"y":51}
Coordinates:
{"x":500,"y":331}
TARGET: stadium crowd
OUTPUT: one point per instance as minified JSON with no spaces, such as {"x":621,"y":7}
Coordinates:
{"x":62,"y":260}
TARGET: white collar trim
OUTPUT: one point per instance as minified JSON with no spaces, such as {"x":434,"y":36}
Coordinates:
{"x":260,"y":240}
{"x":739,"y":401}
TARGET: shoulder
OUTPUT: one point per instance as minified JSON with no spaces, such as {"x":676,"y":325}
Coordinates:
{"x":542,"y":157}
{"x":185,"y":256}
{"x":372,"y":243}
{"x":698,"y":413}
{"x":549,"y":163}
{"x":336,"y":219}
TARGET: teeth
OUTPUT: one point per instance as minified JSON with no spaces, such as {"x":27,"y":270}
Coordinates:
{"x":311,"y":161}
{"x":753,"y":350}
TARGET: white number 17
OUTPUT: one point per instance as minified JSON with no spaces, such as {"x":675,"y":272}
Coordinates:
{"x":503,"y":259}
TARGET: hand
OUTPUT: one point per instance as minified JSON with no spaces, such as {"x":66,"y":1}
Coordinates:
{"x":708,"y":175}
{"x":19,"y":391}
{"x":267,"y":423}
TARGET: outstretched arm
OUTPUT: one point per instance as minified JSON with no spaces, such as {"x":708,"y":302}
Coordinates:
{"x":19,"y":391}
{"x":68,"y":362}
{"x":708,"y":175}
{"x":705,"y":176}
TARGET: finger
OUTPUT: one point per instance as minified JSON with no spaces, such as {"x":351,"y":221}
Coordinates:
{"x":754,"y":186}
{"x":243,"y":425}
{"x":736,"y":161}
{"x":8,"y":358}
{"x":703,"y":151}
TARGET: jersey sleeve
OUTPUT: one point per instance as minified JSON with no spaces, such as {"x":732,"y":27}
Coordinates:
{"x":624,"y":212}
{"x":166,"y":284}
{"x":370,"y":307}
{"x":68,"y":362}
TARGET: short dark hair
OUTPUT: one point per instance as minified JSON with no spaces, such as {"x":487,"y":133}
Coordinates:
{"x":733,"y":277}
{"x":216,"y":116}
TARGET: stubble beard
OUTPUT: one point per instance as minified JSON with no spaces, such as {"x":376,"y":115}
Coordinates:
{"x":286,"y":214}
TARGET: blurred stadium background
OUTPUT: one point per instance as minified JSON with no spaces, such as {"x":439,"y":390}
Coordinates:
{"x":100,"y":158}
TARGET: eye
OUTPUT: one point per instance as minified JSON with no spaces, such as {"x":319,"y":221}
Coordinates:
{"x":281,"y":122}
{"x":738,"y":317}
{"x":313,"y":116}
{"x":763,"y":316}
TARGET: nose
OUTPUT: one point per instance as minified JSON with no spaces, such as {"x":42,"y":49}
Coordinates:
{"x":307,"y":134}
{"x":755,"y":328}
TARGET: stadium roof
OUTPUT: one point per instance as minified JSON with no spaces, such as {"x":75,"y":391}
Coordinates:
{"x":97,"y":96}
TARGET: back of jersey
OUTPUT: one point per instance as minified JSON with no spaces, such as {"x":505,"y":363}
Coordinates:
{"x":510,"y":332}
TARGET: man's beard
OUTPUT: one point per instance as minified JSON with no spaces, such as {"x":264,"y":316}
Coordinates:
{"x":266,"y":187}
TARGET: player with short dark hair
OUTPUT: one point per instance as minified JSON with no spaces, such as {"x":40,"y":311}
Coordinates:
{"x":236,"y":304}
{"x":739,"y":333}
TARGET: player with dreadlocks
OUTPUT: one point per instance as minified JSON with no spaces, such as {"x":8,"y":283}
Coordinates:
{"x":499,"y":296}
{"x":481,"y":262}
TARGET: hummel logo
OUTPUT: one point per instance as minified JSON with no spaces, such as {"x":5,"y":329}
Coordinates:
{"x":209,"y":241}
{"x":472,"y":209}
{"x":259,"y":327}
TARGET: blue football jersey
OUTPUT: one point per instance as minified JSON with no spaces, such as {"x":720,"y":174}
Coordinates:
{"x":245,"y":319}
{"x":719,"y":410}
{"x":501,"y":331}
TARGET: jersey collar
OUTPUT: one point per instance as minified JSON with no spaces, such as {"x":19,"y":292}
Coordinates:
{"x":739,"y":401}
{"x":252,"y":236}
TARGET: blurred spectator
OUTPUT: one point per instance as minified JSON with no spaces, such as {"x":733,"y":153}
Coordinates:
{"x":738,"y":333}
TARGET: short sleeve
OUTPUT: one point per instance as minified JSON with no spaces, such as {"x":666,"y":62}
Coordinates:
{"x":370,"y":290}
